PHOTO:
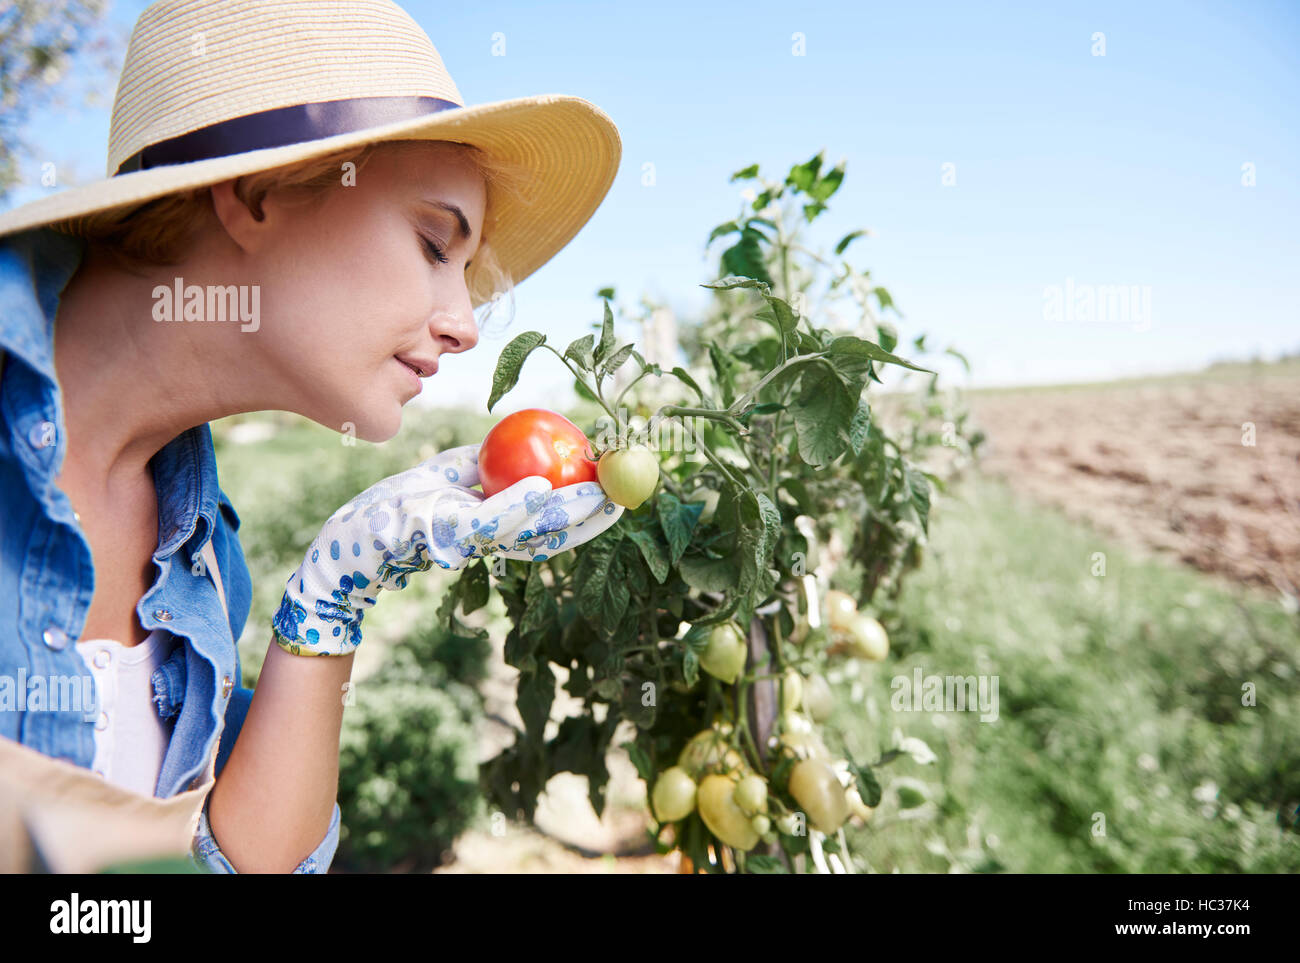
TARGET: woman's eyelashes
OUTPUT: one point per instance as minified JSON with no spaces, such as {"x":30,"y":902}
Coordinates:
{"x":434,"y":252}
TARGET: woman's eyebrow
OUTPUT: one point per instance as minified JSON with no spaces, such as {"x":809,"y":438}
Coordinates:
{"x":465,"y":232}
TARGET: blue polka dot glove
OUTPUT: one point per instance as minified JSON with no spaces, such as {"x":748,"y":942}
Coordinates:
{"x":425,"y":516}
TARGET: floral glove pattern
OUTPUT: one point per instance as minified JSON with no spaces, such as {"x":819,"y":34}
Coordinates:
{"x":425,"y":516}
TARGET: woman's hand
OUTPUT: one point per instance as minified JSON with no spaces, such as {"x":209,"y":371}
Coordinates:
{"x":425,"y":516}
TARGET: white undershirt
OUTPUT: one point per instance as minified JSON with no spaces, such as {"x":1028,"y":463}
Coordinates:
{"x":130,"y":737}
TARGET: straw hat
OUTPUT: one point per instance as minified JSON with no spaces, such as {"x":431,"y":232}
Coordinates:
{"x":214,"y":89}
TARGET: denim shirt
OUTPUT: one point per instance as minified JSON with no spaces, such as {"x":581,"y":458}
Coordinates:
{"x":47,"y":575}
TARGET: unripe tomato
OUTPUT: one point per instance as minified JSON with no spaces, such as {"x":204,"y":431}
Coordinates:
{"x":751,"y":794}
{"x":708,"y":750}
{"x":674,"y":795}
{"x":841,"y":610}
{"x":721,"y":815}
{"x":791,"y":690}
{"x":814,"y":786}
{"x":804,"y":745}
{"x":867,"y":639}
{"x":628,"y":475}
{"x":534,"y":442}
{"x":762,"y":825}
{"x":818,"y":697}
{"x":724,"y":656}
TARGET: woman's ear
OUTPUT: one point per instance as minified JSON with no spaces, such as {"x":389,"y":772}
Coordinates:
{"x":242,"y":224}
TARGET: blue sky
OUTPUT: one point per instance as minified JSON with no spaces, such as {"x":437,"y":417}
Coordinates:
{"x":1118,"y":170}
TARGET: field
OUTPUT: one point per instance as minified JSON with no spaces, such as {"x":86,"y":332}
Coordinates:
{"x":1203,"y":468}
{"x":1148,"y":715}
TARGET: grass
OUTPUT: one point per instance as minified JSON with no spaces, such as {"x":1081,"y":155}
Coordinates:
{"x":1122,"y":743}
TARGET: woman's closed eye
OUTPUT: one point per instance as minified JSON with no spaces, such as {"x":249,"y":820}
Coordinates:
{"x":433,"y":250}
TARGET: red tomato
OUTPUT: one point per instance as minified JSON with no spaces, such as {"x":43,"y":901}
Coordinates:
{"x":534,"y":442}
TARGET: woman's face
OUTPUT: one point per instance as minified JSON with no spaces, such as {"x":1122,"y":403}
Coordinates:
{"x":353,"y":284}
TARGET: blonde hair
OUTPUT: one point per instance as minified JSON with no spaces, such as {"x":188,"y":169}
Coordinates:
{"x":163,"y":231}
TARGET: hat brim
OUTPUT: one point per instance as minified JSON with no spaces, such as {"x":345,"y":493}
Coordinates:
{"x":571,"y":146}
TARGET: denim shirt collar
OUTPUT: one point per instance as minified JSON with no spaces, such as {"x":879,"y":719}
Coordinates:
{"x":184,"y":470}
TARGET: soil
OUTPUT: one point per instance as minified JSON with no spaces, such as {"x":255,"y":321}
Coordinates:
{"x":1205,"y":470}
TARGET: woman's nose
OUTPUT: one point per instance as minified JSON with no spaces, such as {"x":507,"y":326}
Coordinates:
{"x":455,"y":328}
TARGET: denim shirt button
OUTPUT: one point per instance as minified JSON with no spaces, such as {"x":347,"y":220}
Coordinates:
{"x":226,"y":686}
{"x":162,"y":615}
{"x":55,"y":638}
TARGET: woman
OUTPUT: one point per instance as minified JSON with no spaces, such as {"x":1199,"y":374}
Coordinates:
{"x":301,"y":215}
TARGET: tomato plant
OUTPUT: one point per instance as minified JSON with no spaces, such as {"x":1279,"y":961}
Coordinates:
{"x":534,"y":442}
{"x":691,"y":633}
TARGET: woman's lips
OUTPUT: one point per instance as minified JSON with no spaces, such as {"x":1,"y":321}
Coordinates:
{"x":411,"y":373}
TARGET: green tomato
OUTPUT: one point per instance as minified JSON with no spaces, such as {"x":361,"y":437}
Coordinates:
{"x":818,"y":697}
{"x":751,"y":794}
{"x":867,"y":639}
{"x":762,"y":825}
{"x":674,"y":795}
{"x":724,"y":656}
{"x":791,"y":690}
{"x":816,"y":788}
{"x":708,"y":750}
{"x":628,"y":475}
{"x":721,"y":815}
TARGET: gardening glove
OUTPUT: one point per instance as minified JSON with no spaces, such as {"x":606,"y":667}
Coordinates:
{"x":409,"y":522}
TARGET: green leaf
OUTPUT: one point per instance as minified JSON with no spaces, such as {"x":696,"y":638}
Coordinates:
{"x":859,"y":427}
{"x":848,"y":239}
{"x":678,"y":521}
{"x":750,"y":539}
{"x":849,"y":349}
{"x":652,"y":550}
{"x":771,"y":516}
{"x":616,"y":360}
{"x":722,"y":365}
{"x":888,"y":335}
{"x":959,"y":356}
{"x":708,"y":574}
{"x":731,"y":227}
{"x":803,"y":176}
{"x":684,"y":376}
{"x":644,"y":768}
{"x":908,"y":798}
{"x":766,"y":865}
{"x":886,"y":301}
{"x":511,"y":360}
{"x":474,"y":587}
{"x":822,"y":414}
{"x":601,"y":589}
{"x":606,"y":336}
{"x":691,"y":668}
{"x":540,"y":610}
{"x":828,"y":184}
{"x":606,"y":293}
{"x":744,"y":173}
{"x":745,"y":257}
{"x":535,"y":695}
{"x":580,"y":351}
{"x":868,"y":786}
{"x":919,"y":494}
